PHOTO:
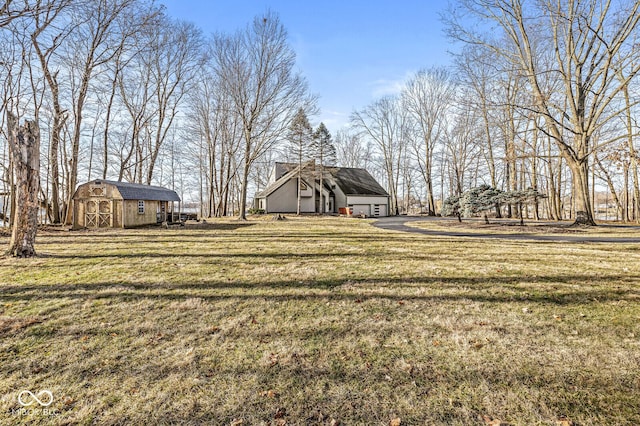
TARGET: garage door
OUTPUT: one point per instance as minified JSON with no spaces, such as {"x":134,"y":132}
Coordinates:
{"x":380,"y":210}
{"x":361,"y":209}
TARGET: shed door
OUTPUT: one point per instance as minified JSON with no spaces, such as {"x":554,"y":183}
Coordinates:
{"x":104,"y":214}
{"x":98,"y":213}
{"x":91,"y":214}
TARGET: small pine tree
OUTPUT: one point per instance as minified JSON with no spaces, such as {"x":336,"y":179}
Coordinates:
{"x":479,"y":200}
{"x":324,"y":151}
{"x":483,"y":198}
{"x":451,"y":207}
{"x":299,"y":137}
{"x":472,"y":201}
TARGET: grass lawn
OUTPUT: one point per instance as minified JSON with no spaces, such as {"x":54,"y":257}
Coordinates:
{"x":319,"y":321}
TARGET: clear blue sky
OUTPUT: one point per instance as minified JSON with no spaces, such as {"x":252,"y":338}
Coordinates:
{"x":350,"y":51}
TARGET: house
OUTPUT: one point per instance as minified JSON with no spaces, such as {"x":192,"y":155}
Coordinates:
{"x":109,"y":204}
{"x":342,"y":188}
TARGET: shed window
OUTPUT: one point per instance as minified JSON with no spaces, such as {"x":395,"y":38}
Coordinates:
{"x":141,"y":207}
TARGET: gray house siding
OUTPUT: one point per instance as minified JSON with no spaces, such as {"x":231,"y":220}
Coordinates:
{"x":285,"y":199}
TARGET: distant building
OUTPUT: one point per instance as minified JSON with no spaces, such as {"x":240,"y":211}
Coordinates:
{"x":109,"y":204}
{"x":342,"y":188}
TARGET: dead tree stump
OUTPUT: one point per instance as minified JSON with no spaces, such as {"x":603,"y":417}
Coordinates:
{"x":24,"y":142}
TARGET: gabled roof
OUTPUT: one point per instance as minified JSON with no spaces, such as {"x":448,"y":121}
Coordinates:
{"x":136,"y":191}
{"x":357,"y":182}
{"x":288,"y":171}
{"x":351,"y":181}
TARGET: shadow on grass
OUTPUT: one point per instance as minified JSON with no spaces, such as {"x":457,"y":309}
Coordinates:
{"x":397,"y":223}
{"x":484,"y":290}
{"x":253,"y":238}
{"x":256,"y":255}
{"x":227,"y":226}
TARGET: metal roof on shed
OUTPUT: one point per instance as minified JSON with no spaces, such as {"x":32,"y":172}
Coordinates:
{"x":136,"y":191}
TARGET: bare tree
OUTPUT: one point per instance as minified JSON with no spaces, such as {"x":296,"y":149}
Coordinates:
{"x":323,"y":151}
{"x":299,"y":137}
{"x":45,"y":44}
{"x":219,"y":136}
{"x":462,"y":151}
{"x":137,"y":99}
{"x":11,"y":10}
{"x":256,"y":69}
{"x":95,"y":41}
{"x":591,"y":40}
{"x":166,"y":61}
{"x":352,"y":150}
{"x":178,"y":54}
{"x":631,"y":129}
{"x":384,"y":123}
{"x":477,"y":72}
{"x":127,"y":47}
{"x":427,"y":96}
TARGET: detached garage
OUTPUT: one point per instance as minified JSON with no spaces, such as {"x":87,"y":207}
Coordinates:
{"x":360,"y":192}
{"x":368,"y":206}
{"x":110,"y":204}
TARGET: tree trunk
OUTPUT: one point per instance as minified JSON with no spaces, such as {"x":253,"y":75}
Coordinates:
{"x":560,"y":192}
{"x":25,"y":148}
{"x":636,"y":185}
{"x":321,"y":186}
{"x":610,"y":184}
{"x":534,"y":168}
{"x":242,"y":214}
{"x":107,"y":121}
{"x":633,"y":157}
{"x":580,"y":175}
{"x":430,"y":198}
{"x":625,"y":198}
{"x":299,"y":179}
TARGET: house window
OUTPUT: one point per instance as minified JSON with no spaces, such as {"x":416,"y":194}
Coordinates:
{"x":141,"y":207}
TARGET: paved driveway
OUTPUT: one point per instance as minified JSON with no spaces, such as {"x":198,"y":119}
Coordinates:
{"x":399,"y":223}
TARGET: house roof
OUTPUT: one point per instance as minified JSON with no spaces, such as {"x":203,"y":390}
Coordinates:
{"x":351,"y":181}
{"x":357,"y":182}
{"x":136,"y":191}
{"x":288,"y":171}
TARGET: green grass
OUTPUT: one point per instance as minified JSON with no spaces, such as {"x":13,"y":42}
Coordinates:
{"x":314,"y":321}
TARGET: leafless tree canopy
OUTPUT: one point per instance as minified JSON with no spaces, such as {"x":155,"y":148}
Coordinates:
{"x":570,"y":54}
{"x":542,"y":94}
{"x":256,"y":69}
